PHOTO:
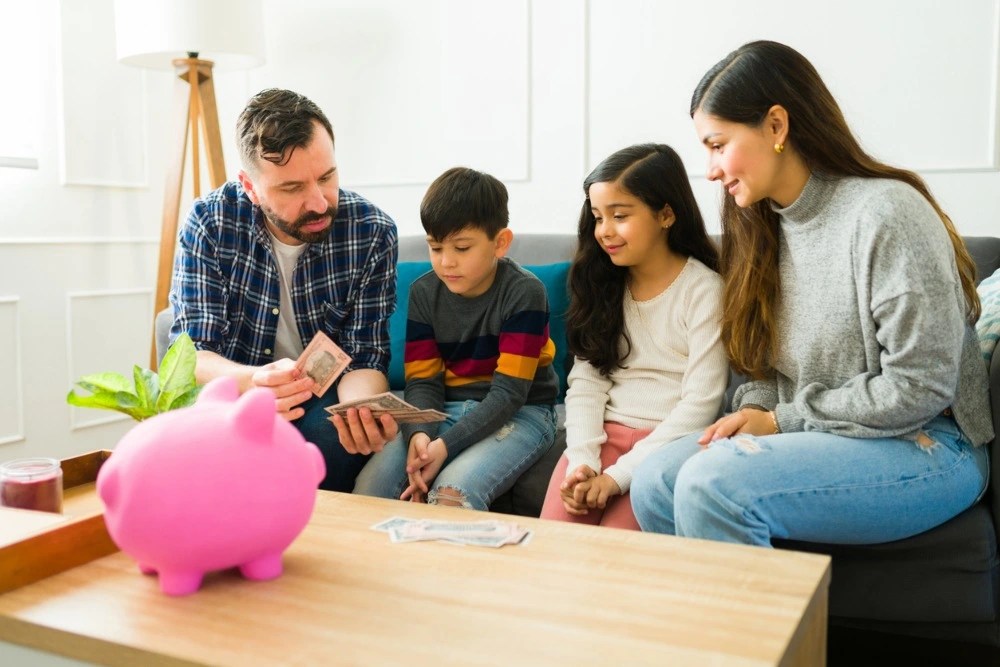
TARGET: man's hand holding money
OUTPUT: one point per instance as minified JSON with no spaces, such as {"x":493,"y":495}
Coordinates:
{"x":361,"y":432}
{"x":290,"y":385}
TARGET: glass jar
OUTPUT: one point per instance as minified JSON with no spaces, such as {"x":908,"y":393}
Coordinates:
{"x":32,"y":484}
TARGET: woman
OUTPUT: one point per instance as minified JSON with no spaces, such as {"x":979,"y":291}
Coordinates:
{"x":848,"y":298}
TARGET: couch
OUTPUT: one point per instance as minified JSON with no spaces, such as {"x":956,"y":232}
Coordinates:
{"x":942,"y":584}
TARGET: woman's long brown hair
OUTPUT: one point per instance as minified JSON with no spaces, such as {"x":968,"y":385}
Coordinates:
{"x":741,"y":88}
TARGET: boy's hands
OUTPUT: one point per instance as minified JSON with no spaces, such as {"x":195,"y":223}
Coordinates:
{"x":567,"y":489}
{"x":423,"y":463}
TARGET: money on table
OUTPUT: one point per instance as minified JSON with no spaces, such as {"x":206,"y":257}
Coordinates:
{"x":490,"y":533}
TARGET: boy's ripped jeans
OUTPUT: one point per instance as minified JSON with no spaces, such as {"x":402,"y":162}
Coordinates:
{"x":480,"y":473}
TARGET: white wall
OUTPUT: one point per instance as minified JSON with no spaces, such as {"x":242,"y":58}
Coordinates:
{"x":535,"y":91}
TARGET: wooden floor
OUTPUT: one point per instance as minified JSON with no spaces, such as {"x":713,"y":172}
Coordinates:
{"x":858,"y":648}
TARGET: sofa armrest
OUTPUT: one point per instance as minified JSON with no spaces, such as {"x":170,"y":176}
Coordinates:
{"x":164,"y":320}
{"x":994,"y":494}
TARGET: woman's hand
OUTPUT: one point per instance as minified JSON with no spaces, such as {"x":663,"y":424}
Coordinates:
{"x":746,"y":420}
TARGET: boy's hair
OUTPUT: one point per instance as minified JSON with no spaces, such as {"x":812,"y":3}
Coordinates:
{"x":463,"y":197}
{"x":274,"y":123}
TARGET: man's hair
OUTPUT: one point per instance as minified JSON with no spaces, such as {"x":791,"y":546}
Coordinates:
{"x":463,"y":197}
{"x":274,"y":123}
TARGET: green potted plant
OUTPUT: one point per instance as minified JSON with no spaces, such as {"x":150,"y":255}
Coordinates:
{"x":148,"y":393}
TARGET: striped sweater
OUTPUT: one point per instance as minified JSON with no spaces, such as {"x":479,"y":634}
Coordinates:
{"x":493,"y":348}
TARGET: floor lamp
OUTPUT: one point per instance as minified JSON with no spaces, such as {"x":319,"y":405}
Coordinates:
{"x":193,"y":38}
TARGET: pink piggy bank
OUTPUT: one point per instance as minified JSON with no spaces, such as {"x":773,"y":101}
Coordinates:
{"x":223,"y":483}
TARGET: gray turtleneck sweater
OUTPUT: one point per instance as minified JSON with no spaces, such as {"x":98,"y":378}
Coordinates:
{"x":872,"y":336}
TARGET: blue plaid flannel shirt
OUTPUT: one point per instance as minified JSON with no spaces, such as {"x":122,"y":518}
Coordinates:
{"x":226,"y":292}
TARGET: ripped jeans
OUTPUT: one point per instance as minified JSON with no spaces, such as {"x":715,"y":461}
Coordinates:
{"x":481,"y":472}
{"x":810,"y":486}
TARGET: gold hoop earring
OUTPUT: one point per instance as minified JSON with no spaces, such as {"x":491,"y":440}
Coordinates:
{"x":779,"y":148}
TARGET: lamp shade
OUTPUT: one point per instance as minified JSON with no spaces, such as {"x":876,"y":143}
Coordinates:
{"x":152,"y":33}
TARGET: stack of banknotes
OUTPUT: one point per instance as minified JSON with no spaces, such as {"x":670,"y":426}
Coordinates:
{"x":475,"y":533}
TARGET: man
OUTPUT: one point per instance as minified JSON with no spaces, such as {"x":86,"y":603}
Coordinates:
{"x":267,"y":261}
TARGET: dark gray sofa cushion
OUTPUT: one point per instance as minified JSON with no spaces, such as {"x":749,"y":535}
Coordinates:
{"x":948,"y":574}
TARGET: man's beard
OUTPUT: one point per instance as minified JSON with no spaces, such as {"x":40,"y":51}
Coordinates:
{"x":294,"y":229}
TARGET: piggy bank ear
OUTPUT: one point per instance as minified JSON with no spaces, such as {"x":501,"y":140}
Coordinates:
{"x":254,"y":415}
{"x":220,"y":390}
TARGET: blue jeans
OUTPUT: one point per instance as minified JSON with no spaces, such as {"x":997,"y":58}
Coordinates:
{"x":316,"y":427}
{"x":480,"y":473}
{"x":813,"y":487}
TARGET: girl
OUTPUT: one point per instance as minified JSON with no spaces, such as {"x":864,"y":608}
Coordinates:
{"x":643,"y":323}
{"x":848,"y":298}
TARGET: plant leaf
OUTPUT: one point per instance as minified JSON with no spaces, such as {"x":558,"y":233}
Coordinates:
{"x":187,"y":398}
{"x":176,"y":371}
{"x":122,"y":401}
{"x":147,"y":387}
{"x":105,"y":382}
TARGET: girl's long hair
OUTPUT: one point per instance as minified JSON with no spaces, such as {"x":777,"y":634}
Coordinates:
{"x":741,"y":88}
{"x":595,"y":323}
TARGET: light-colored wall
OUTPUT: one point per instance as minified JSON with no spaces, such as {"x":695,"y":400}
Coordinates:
{"x":535,"y":91}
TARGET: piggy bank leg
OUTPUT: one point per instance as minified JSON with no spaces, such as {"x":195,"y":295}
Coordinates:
{"x":263,"y":568}
{"x":180,"y":583}
{"x":147,"y":569}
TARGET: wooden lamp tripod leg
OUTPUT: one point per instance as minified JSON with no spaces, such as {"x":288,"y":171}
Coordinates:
{"x":194,"y":105}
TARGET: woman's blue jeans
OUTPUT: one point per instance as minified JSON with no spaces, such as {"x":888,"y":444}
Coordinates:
{"x":480,"y":473}
{"x":813,"y":487}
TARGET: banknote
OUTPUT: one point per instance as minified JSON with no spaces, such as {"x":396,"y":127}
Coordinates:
{"x":323,"y":361}
{"x":389,"y":403}
{"x":491,"y":533}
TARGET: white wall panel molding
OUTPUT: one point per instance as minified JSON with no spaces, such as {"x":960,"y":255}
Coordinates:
{"x":918,"y":80}
{"x":19,"y":162}
{"x":11,"y":369}
{"x":23,"y":41}
{"x":411,"y":89}
{"x":995,"y":82}
{"x":107,"y":331}
{"x":79,"y":240}
{"x":103,"y":109}
{"x":587,"y":162}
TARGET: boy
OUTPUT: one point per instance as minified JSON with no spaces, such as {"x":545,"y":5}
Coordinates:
{"x":478,"y":348}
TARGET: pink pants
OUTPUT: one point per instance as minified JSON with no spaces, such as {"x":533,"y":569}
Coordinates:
{"x":618,"y":512}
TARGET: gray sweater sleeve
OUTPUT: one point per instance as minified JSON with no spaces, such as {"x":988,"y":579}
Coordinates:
{"x":758,"y":392}
{"x":905,"y":271}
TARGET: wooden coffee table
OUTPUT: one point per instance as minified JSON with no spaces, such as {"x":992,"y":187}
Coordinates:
{"x":571,"y":595}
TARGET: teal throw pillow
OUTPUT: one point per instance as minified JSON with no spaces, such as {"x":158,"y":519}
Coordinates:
{"x":555,"y":277}
{"x":406,"y":273}
{"x":988,"y":325}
